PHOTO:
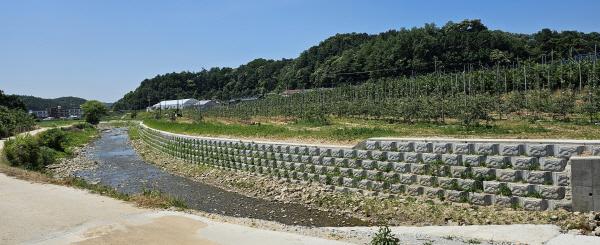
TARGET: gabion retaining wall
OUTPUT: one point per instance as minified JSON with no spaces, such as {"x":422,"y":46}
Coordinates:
{"x":534,"y":175}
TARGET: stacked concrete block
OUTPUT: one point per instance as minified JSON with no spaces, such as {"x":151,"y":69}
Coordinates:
{"x":533,"y":175}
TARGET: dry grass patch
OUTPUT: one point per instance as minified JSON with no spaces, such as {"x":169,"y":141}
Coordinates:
{"x":23,"y":174}
{"x":156,"y":199}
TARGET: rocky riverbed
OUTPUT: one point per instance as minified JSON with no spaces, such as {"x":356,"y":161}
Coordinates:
{"x":112,"y":161}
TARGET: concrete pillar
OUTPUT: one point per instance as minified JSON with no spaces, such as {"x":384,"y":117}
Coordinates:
{"x":585,"y":181}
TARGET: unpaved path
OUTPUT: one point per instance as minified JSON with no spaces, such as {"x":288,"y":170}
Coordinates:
{"x":34,"y":213}
{"x":33,"y":132}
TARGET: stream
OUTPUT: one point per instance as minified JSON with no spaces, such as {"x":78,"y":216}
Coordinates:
{"x":120,"y":167}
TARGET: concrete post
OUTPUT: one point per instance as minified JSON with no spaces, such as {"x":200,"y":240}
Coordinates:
{"x":585,"y":181}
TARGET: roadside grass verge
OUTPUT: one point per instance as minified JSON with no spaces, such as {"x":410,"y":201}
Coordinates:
{"x":94,"y":188}
{"x":156,"y":199}
{"x":146,"y":199}
{"x":23,"y":174}
{"x":352,"y":131}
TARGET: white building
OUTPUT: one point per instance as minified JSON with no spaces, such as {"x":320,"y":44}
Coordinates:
{"x":182,"y":104}
{"x":202,"y":104}
{"x":39,"y":114}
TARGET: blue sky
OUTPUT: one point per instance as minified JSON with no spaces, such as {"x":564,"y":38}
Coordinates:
{"x":105,"y":48}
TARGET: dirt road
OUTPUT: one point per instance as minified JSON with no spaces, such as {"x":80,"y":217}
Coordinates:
{"x":36,"y":213}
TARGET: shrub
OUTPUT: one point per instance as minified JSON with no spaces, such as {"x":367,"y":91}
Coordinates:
{"x":384,"y":237}
{"x":23,"y":151}
{"x":538,"y":102}
{"x":54,"y":138}
{"x":513,"y":102}
{"x":475,"y":109}
{"x":83,"y":125}
{"x":47,"y":156}
{"x":196,"y":116}
{"x":590,"y":104}
{"x":409,"y":110}
{"x":172,"y":115}
{"x":563,"y":104}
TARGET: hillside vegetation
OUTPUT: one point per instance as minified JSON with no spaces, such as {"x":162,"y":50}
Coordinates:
{"x":355,"y":58}
{"x":37,"y":104}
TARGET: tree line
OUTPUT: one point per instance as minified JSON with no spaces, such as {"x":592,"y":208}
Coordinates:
{"x":357,"y":58}
{"x":38,"y":104}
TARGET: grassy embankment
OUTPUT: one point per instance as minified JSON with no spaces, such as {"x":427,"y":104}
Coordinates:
{"x":351,"y":131}
{"x":56,"y":123}
{"x":75,"y":138}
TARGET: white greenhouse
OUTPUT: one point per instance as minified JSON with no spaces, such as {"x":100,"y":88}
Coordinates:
{"x":182,"y":104}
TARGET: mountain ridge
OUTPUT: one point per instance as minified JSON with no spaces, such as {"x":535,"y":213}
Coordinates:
{"x":355,"y":58}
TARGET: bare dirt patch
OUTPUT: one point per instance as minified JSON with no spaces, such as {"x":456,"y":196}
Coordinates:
{"x":163,"y":230}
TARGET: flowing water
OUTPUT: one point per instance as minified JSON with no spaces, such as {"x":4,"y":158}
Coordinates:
{"x":123,"y":169}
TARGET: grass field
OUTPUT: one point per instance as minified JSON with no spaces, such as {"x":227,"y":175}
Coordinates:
{"x":351,"y":131}
{"x":56,"y":123}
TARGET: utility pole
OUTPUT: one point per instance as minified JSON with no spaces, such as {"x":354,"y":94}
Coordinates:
{"x":579,"y":67}
{"x":525,"y":78}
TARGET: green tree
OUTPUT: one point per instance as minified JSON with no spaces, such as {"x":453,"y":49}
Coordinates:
{"x":93,"y":110}
{"x":14,"y":121}
{"x":11,"y":102}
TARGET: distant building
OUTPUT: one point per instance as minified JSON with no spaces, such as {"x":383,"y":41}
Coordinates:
{"x":244,"y":99}
{"x":182,"y":104}
{"x":77,"y":112}
{"x":39,"y":114}
{"x":203,"y":104}
{"x":58,"y":112}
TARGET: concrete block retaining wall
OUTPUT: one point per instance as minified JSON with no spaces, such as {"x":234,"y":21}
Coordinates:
{"x":534,"y":175}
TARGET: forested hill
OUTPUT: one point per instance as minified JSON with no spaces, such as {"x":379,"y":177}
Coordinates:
{"x":357,"y":57}
{"x":36,"y":103}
